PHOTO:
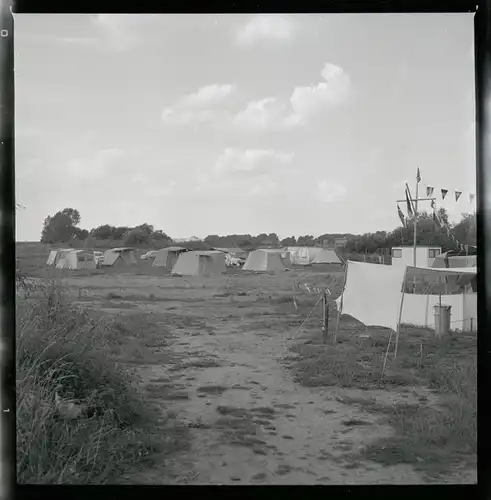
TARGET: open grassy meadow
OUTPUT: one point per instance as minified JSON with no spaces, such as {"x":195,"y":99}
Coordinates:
{"x":224,"y":380}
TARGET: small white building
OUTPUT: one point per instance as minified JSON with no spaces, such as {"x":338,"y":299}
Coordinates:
{"x":425,"y":255}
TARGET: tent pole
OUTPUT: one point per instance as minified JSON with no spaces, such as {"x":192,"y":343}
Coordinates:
{"x":341,"y":303}
{"x":400,"y":314}
{"x":386,"y":355}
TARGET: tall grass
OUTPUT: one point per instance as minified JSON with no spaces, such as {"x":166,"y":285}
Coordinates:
{"x":61,"y":348}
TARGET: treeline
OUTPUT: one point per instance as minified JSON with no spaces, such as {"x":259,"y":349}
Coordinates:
{"x":63,"y":228}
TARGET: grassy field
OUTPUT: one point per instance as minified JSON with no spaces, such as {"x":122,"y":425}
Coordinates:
{"x":221,"y":380}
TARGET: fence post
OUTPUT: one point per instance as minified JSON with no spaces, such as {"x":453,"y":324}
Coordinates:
{"x":326,"y":318}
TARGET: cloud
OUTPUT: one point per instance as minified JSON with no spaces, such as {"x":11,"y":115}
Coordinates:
{"x":309,"y":101}
{"x":329,"y":191}
{"x":266,"y":27}
{"x":250,"y":160}
{"x":265,"y":114}
{"x":305,"y":103}
{"x":210,"y":95}
{"x":242,"y":172}
{"x":203,"y":106}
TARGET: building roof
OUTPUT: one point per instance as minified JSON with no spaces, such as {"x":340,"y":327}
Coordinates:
{"x":418,"y":246}
{"x":121,"y":249}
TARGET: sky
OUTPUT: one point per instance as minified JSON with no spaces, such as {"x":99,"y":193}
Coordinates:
{"x":223,"y":124}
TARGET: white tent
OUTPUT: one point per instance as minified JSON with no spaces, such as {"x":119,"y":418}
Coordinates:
{"x":54,"y":255}
{"x":303,"y":256}
{"x":76,"y":259}
{"x":265,"y":260}
{"x":374,"y":295}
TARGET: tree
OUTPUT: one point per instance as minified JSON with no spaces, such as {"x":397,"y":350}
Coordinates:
{"x":81,"y":234}
{"x":60,"y":228}
{"x":119,"y":233}
{"x":73,"y":215}
{"x":465,"y":230}
{"x":103,"y":232}
{"x":306,"y":241}
{"x":290,"y":241}
{"x":137,"y":236}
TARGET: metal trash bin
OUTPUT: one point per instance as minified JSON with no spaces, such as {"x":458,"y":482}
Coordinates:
{"x":442,"y":319}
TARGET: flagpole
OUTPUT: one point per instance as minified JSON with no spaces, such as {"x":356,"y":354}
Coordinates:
{"x":415,"y":222}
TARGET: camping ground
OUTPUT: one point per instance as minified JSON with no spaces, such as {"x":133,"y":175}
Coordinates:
{"x":244,"y":396}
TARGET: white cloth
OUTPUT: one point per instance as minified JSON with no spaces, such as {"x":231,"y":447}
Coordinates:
{"x":373,"y":293}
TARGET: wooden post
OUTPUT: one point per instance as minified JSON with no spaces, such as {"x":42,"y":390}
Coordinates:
{"x":400,"y":314}
{"x":326,"y":318}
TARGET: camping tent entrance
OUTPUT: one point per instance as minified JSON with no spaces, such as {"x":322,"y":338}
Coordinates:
{"x":264,"y":261}
{"x":167,"y":257}
{"x":119,"y":257}
{"x":204,"y":264}
{"x":76,"y":259}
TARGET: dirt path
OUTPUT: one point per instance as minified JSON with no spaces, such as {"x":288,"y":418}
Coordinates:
{"x":251,"y":423}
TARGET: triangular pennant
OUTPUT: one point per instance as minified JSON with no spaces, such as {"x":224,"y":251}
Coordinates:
{"x":429,"y":190}
{"x":472,"y":197}
{"x":457,"y":195}
{"x":444,"y":193}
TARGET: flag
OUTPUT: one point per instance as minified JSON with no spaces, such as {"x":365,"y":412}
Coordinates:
{"x":457,"y":195}
{"x":472,"y":197}
{"x":401,"y":216}
{"x":433,"y":204}
{"x":429,"y":190}
{"x":410,"y":211}
{"x":436,"y":219}
{"x":418,"y":176}
{"x":444,"y":193}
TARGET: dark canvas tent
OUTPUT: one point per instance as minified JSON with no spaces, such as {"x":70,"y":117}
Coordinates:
{"x":167,"y":257}
{"x":119,"y":257}
{"x":265,"y":261}
{"x":200,"y":263}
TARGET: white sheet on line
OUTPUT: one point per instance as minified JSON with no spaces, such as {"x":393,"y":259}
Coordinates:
{"x":373,"y":293}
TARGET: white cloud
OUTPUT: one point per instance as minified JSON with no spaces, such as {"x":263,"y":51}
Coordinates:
{"x":239,"y":172}
{"x":312,"y":100}
{"x":249,"y":160}
{"x":330,"y":191}
{"x":264,"y":114}
{"x":210,"y":95}
{"x":203,"y":106}
{"x":305,"y":103}
{"x":266,"y":27}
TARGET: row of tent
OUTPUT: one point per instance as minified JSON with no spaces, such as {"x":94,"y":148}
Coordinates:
{"x":181,"y":261}
{"x":68,"y":258}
